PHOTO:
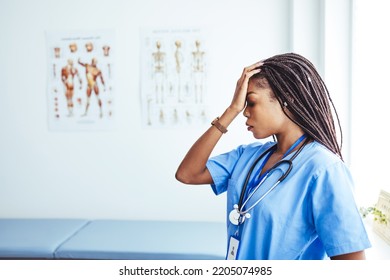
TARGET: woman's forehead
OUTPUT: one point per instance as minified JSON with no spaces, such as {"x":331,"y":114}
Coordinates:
{"x":260,"y":82}
{"x":259,"y":88}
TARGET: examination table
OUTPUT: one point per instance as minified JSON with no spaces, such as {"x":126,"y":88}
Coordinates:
{"x":111,"y":239}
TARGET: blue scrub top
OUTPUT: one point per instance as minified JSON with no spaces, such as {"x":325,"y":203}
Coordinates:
{"x":312,"y":214}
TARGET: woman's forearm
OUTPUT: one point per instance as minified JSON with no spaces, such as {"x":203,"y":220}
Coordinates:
{"x":192,"y":169}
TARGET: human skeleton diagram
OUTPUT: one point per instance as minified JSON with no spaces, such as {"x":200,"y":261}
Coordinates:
{"x":178,"y":60}
{"x":198,"y":72}
{"x":159,"y":69}
{"x":174,"y":90}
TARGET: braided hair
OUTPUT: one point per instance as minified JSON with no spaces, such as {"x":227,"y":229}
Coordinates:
{"x":300,"y":89}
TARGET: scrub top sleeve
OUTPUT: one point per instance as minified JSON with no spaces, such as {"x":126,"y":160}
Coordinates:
{"x":335,"y":214}
{"x":221,"y":168}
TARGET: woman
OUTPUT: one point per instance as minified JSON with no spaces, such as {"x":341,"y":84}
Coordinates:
{"x":312,"y":213}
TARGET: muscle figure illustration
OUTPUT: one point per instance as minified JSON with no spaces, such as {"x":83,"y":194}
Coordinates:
{"x":92,"y":74}
{"x":68,"y":74}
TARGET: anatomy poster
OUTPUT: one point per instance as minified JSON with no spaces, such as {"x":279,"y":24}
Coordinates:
{"x":80,"y":80}
{"x":173,"y":77}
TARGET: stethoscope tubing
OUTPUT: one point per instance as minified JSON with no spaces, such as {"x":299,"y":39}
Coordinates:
{"x":245,"y":185}
{"x":243,"y":212}
{"x":241,"y":202}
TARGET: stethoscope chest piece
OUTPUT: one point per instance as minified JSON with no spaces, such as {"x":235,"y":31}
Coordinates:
{"x":235,"y":217}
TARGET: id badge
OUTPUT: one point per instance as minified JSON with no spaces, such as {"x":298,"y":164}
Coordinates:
{"x":233,"y":248}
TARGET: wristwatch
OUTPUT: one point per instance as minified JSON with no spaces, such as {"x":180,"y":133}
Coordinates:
{"x":218,"y":125}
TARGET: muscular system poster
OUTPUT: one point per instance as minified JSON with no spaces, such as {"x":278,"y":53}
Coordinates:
{"x":80,"y":80}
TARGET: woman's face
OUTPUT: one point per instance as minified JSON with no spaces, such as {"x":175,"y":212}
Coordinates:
{"x":264,"y":114}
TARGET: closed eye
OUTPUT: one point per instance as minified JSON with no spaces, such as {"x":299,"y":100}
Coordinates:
{"x":250,"y":104}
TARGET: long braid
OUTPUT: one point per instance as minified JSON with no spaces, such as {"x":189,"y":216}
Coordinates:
{"x":295,"y":82}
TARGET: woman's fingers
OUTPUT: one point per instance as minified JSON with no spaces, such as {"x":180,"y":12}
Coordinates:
{"x":249,"y":71}
{"x":253,"y":66}
{"x":242,"y":85}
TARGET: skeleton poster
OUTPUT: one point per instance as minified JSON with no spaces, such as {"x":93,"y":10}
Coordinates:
{"x":173,"y":77}
{"x":80,"y":80}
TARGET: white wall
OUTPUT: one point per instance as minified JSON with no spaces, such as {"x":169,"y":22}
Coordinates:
{"x":337,"y":63}
{"x":370,"y":100}
{"x":127,"y":172}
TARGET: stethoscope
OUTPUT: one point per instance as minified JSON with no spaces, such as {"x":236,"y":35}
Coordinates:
{"x":238,"y":215}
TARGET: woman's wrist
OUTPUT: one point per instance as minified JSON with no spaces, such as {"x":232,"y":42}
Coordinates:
{"x":234,"y":109}
{"x":228,"y":116}
{"x":218,"y":125}
{"x":232,"y":112}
